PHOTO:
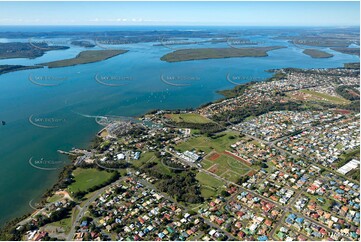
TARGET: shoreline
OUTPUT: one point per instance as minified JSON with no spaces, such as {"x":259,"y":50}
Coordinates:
{"x":71,"y":166}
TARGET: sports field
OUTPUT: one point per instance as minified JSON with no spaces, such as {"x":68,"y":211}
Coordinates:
{"x":225,"y":166}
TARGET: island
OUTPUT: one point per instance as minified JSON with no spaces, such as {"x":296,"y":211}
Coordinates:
{"x":26,"y":50}
{"x":217,"y":53}
{"x":317,"y":53}
{"x":85,"y":57}
{"x":10,"y":68}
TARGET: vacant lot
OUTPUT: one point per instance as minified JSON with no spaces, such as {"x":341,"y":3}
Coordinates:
{"x":325,"y":97}
{"x":219,"y":143}
{"x":144,"y":158}
{"x":210,"y":186}
{"x":88,"y":178}
{"x":189,"y":118}
{"x":226,"y":166}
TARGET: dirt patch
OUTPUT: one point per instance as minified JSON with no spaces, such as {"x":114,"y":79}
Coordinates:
{"x":214,"y":156}
{"x":342,"y":111}
{"x":251,"y":173}
{"x":213,"y":168}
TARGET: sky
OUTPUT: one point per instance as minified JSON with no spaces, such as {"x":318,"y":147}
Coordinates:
{"x":181,"y":13}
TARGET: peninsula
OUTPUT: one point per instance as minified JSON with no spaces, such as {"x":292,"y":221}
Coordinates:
{"x":26,"y":50}
{"x":85,"y":57}
{"x":10,"y":68}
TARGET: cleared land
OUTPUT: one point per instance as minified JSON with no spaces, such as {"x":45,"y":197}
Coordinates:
{"x":189,"y":118}
{"x":54,"y":198}
{"x":210,"y":186}
{"x":217,"y":53}
{"x":206,"y":144}
{"x":144,"y":158}
{"x":325,"y":97}
{"x":226,"y":166}
{"x":317,"y":53}
{"x":85,"y":57}
{"x":88,"y":178}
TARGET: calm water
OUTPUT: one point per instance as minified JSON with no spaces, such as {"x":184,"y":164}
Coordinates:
{"x":80,"y":93}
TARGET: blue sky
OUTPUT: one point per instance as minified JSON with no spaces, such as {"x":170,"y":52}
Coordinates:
{"x":181,"y":13}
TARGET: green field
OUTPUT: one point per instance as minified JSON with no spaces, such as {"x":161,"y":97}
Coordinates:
{"x":64,"y":224}
{"x":144,"y":158}
{"x":326,"y":97}
{"x":211,"y":186}
{"x":88,"y":178}
{"x":189,"y":118}
{"x":207,"y":144}
{"x":54,"y":198}
{"x":226,"y":166}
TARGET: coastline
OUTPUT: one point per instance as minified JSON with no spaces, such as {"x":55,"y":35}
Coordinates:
{"x":71,"y":166}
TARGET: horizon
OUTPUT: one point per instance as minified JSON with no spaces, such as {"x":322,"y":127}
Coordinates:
{"x":118,"y":14}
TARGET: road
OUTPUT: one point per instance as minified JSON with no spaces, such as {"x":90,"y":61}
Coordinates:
{"x":151,"y":186}
{"x":85,"y":207}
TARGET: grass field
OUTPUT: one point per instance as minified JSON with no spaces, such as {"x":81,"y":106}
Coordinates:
{"x":325,"y":97}
{"x":208,"y":144}
{"x":210,"y":186}
{"x":226,"y":166}
{"x":144,"y":158}
{"x":54,"y":198}
{"x":64,"y":224}
{"x":189,"y":118}
{"x":88,"y":178}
